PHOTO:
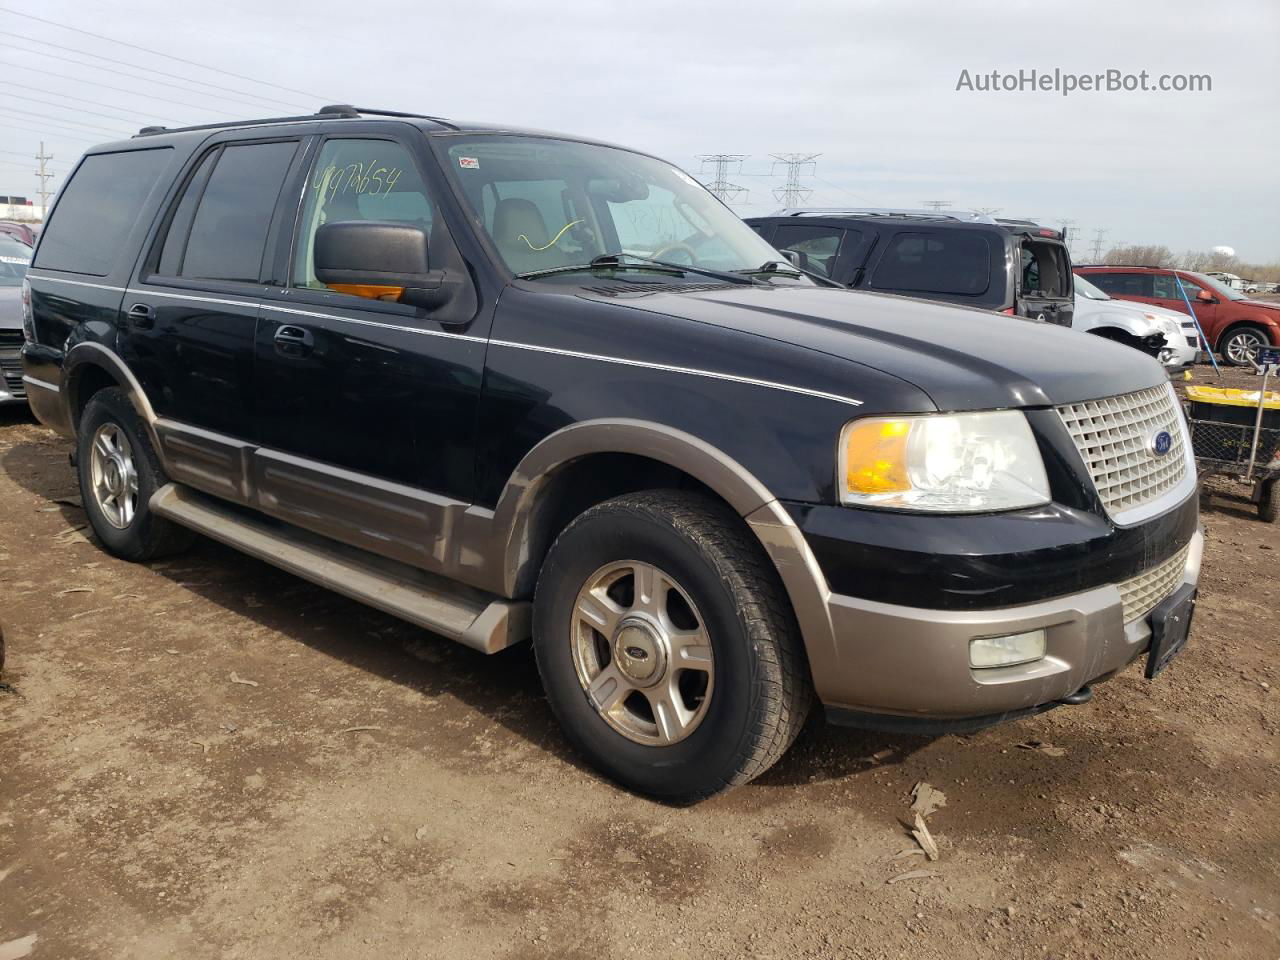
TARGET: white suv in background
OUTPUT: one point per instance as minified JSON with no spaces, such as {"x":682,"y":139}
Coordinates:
{"x":1134,"y":324}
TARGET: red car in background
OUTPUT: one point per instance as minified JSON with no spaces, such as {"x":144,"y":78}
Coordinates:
{"x":25,"y":232}
{"x":1234,"y":325}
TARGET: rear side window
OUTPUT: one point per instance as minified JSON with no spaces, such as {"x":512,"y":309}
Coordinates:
{"x":954,"y":263}
{"x":97,"y":209}
{"x":232,"y":215}
{"x":1123,"y":284}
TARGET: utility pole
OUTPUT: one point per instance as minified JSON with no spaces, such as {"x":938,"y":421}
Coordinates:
{"x":791,"y":193}
{"x":1098,"y":236}
{"x":43,"y":189}
{"x":936,"y":204}
{"x":720,"y":185}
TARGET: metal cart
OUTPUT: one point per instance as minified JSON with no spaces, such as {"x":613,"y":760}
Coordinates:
{"x":1237,"y":433}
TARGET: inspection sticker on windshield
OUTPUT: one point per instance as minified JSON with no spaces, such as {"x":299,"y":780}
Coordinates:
{"x":469,"y":163}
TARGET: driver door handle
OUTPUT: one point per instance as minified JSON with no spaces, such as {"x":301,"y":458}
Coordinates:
{"x":294,"y":341}
{"x":141,"y":316}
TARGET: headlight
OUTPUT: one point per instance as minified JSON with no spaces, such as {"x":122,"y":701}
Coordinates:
{"x":945,"y":463}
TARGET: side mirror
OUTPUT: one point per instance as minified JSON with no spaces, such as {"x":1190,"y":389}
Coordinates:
{"x":1204,"y":296}
{"x":794,"y":256}
{"x":380,"y":260}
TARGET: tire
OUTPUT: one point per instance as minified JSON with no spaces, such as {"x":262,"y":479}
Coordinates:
{"x":1269,"y":503}
{"x":1241,"y":344}
{"x":117,"y":481}
{"x":744,"y":690}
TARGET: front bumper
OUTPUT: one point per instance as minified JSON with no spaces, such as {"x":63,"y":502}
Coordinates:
{"x":908,"y":662}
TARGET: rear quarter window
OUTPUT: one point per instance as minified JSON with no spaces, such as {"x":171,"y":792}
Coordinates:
{"x":98,"y":207}
{"x":954,"y":263}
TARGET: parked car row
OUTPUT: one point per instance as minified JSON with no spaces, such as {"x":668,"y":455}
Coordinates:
{"x":15,"y":258}
{"x":510,"y":385}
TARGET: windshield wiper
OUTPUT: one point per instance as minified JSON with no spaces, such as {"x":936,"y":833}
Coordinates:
{"x":623,"y":261}
{"x":789,"y":269}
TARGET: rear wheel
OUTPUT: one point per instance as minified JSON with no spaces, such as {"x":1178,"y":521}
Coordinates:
{"x":667,"y":648}
{"x":1240,"y":346}
{"x":1269,"y":502}
{"x":119,"y":471}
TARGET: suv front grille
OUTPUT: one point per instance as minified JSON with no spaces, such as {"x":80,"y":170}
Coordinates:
{"x":1140,"y":594}
{"x":11,"y":362}
{"x":1114,"y":437}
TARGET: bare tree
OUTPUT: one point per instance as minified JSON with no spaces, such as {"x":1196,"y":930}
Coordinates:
{"x":1139,"y":255}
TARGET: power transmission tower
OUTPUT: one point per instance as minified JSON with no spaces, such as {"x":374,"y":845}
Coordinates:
{"x":982,"y":211}
{"x":1098,"y":236}
{"x":1066,"y":231}
{"x":791,"y":193}
{"x":720,"y":185}
{"x":936,"y":204}
{"x":43,"y":189}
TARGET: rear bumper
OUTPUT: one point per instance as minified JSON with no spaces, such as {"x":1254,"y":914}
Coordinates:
{"x":908,"y":662}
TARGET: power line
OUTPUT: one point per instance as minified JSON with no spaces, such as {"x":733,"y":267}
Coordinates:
{"x":59,"y":121}
{"x":15,"y":153}
{"x":836,"y":186}
{"x":935,"y":204}
{"x":791,"y":193}
{"x":132,"y":93}
{"x":720,"y":186}
{"x":62,"y":136}
{"x":169,"y":56}
{"x":134,"y":76}
{"x":60,"y":106}
{"x":125,"y":63}
{"x":67,"y":96}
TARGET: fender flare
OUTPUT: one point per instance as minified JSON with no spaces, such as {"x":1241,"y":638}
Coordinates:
{"x":89,"y":353}
{"x":802,"y":578}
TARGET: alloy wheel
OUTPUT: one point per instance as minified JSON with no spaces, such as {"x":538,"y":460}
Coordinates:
{"x":114,"y":475}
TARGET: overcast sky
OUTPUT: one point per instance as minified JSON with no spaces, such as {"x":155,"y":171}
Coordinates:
{"x":871,"y":86}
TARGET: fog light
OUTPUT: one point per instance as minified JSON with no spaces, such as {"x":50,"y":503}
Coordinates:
{"x":1007,"y":651}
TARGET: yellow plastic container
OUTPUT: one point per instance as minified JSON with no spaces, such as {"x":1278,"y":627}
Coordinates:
{"x":1232,"y":397}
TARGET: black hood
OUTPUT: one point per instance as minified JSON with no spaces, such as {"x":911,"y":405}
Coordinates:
{"x":964,"y":359}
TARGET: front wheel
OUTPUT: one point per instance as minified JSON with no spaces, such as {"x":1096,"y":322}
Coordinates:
{"x":667,"y":647}
{"x":1240,"y":347}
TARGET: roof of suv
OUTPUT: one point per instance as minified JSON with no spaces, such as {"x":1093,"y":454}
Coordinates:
{"x":956,"y":218}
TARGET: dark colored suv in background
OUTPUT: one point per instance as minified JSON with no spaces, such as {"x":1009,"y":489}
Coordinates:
{"x":1012,"y":266}
{"x":1235,"y":326}
{"x":507,"y":384}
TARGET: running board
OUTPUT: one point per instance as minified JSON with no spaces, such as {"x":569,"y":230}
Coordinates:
{"x":472,"y":617}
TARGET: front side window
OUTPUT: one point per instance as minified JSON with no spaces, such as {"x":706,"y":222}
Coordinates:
{"x":1164,"y":286}
{"x":554,"y":203}
{"x":816,"y":247}
{"x":219,"y":228}
{"x":955,"y":263}
{"x":358,"y":180}
{"x":97,"y":209}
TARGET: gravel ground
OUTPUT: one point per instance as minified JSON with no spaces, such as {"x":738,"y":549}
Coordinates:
{"x":206,"y":757}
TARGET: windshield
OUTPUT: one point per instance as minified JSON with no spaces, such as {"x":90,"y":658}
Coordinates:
{"x":1086,"y":289}
{"x":15,"y":257}
{"x":555,"y":203}
{"x":1217,"y":286}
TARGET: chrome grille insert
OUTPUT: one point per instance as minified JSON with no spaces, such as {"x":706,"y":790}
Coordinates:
{"x":1140,"y":594}
{"x":1114,"y":436}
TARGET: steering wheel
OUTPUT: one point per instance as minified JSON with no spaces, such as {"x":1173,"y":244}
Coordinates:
{"x":688,"y":251}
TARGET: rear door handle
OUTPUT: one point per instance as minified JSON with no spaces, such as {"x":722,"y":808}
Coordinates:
{"x":142,"y":316}
{"x":292,"y":341}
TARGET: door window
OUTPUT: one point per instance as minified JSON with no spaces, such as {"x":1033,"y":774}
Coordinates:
{"x":1123,"y":284}
{"x":951,"y":263}
{"x":232,"y":213}
{"x":817,"y":247}
{"x":358,"y":180}
{"x":1165,"y":286}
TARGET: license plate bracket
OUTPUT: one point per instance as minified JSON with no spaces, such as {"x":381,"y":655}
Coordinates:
{"x":1170,"y":627}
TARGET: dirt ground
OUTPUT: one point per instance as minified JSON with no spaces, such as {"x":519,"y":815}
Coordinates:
{"x":206,"y":757}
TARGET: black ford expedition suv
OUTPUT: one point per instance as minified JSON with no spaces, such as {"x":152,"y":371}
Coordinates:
{"x":509,"y":385}
{"x":1010,"y":266}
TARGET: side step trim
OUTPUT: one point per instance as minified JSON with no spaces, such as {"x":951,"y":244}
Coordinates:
{"x":472,"y":617}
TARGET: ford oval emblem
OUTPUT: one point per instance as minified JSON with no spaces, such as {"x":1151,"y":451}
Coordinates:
{"x":1161,"y":443}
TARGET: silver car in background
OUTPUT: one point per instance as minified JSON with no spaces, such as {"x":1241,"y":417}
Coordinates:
{"x":15,"y":257}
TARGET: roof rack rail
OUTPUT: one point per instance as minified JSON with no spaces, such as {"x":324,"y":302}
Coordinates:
{"x":967,"y":216}
{"x":329,"y":112}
